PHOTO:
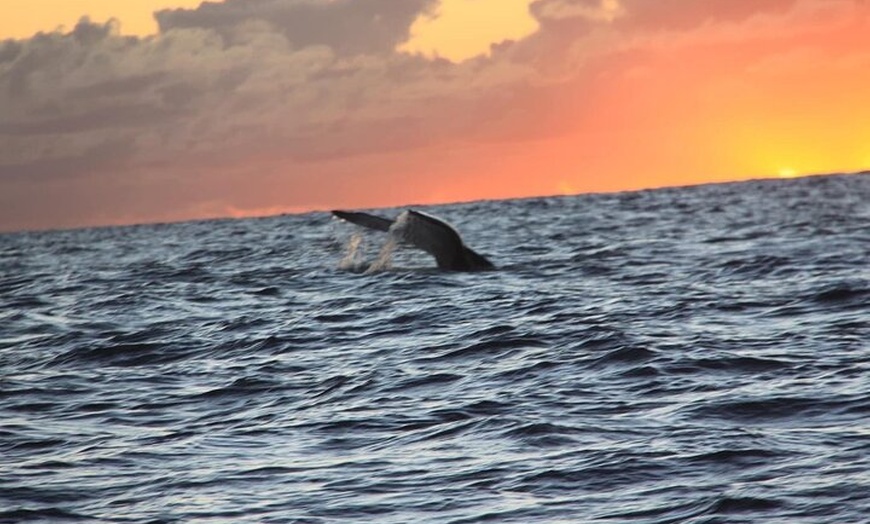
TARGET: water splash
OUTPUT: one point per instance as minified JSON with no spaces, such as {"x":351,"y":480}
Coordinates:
{"x":385,"y":257}
{"x":354,"y":256}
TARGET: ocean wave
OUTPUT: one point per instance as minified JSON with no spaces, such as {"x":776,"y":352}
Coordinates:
{"x":681,"y":355}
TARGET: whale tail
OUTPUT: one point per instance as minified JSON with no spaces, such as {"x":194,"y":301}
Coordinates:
{"x":365,"y":220}
{"x":425,"y":232}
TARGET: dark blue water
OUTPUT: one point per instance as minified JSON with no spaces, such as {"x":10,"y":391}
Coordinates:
{"x":694,"y":355}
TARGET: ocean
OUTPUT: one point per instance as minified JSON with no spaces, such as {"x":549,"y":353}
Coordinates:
{"x":692,"y":355}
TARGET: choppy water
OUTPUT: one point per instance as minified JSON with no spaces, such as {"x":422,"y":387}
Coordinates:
{"x":685,"y":355}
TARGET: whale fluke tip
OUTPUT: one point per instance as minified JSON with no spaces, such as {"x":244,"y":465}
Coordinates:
{"x":364,"y":219}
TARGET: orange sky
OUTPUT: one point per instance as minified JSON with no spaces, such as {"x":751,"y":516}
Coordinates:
{"x":228,"y":110}
{"x":23,"y":18}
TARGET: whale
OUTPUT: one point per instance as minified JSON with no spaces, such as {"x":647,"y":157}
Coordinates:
{"x":426,"y":232}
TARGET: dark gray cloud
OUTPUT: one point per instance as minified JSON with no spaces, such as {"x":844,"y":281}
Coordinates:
{"x":102,"y":117}
{"x":219,"y":87}
{"x":345,"y":26}
{"x":191,"y":92}
{"x":109,"y":154}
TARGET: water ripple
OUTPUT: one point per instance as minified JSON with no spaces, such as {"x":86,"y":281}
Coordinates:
{"x":688,"y":355}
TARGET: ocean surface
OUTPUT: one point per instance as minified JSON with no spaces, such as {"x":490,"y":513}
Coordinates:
{"x":691,"y":355}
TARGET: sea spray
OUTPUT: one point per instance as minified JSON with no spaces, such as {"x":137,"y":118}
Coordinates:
{"x":354,"y":252}
{"x":354,"y":258}
{"x":385,"y":256}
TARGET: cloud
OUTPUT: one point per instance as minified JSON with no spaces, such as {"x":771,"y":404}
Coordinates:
{"x":592,"y":10}
{"x":195,"y":90}
{"x":658,"y":15}
{"x":681,"y":15}
{"x":222,"y":86}
{"x":345,"y":26}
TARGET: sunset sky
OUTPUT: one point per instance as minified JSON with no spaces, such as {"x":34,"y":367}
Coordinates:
{"x":161,"y":110}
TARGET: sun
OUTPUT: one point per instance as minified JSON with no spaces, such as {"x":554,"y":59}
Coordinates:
{"x":787,"y":172}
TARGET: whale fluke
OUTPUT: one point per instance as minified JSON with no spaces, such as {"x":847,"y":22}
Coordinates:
{"x":425,"y":232}
{"x":365,"y":220}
